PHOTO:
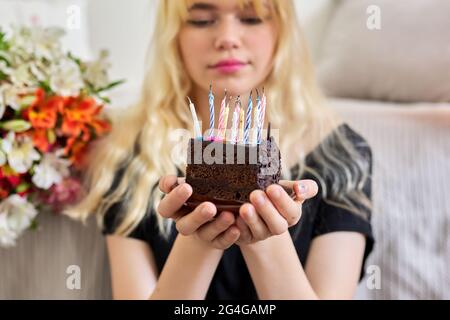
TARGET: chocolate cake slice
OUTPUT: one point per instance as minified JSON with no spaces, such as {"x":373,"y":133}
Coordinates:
{"x":226,"y":173}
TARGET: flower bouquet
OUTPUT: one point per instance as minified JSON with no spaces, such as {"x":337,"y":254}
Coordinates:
{"x":50,"y":111}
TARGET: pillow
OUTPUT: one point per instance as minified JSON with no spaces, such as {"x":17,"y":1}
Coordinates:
{"x":406,"y":60}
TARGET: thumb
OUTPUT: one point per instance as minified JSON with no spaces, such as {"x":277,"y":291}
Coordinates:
{"x":304,"y":189}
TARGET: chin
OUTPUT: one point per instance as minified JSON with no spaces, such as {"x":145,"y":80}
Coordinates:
{"x":233,"y":85}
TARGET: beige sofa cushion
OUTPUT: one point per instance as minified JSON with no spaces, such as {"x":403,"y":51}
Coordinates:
{"x":407,"y":60}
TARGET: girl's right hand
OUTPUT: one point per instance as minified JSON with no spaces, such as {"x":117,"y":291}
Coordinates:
{"x":202,"y":223}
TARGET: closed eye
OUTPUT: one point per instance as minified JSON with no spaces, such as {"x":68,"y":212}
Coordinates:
{"x":251,"y":20}
{"x":201,"y":23}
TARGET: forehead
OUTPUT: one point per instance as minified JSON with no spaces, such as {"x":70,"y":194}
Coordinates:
{"x":217,"y":5}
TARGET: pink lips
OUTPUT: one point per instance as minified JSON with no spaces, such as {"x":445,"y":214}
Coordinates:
{"x":229,"y":66}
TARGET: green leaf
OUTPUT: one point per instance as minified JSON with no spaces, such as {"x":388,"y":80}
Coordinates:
{"x":105,"y":99}
{"x":77,"y":60}
{"x":3,"y":76}
{"x":22,"y":187}
{"x":46,"y":86}
{"x":111,"y":85}
{"x":34,"y":225}
{"x":4,"y":45}
{"x":3,"y":58}
{"x":17,"y":125}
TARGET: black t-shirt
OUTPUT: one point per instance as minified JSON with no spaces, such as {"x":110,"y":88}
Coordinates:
{"x":232,"y":279}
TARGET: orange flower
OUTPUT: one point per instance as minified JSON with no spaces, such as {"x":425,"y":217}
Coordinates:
{"x":40,"y":95}
{"x":72,"y":128}
{"x":40,"y":140}
{"x":80,"y":110}
{"x":44,"y":114}
{"x":79,"y":116}
{"x":100,"y":126}
{"x":76,"y":150}
{"x":4,"y":193}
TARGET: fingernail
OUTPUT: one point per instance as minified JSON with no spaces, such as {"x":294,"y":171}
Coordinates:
{"x":260,"y":199}
{"x":302,"y":188}
{"x":184,"y":188}
{"x":174,"y":186}
{"x":275,"y":192}
{"x":249,"y":213}
{"x":206,"y":210}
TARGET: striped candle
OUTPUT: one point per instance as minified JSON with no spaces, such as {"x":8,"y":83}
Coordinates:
{"x":234,"y":127}
{"x":241,"y":126}
{"x":261,"y":115}
{"x":211,"y":113}
{"x":248,"y":118}
{"x":197,"y":131}
{"x":256,"y":118}
{"x":225,"y":121}
{"x":256,"y":115}
{"x":221,"y":114}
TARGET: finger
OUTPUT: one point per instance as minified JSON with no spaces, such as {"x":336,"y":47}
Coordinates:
{"x":227,"y":238}
{"x":274,"y":221}
{"x":189,"y":223}
{"x":169,"y":182}
{"x":174,"y":200}
{"x":212,"y":229}
{"x":291,"y":210}
{"x":304,"y":189}
{"x":257,"y":226}
{"x":246,"y":234}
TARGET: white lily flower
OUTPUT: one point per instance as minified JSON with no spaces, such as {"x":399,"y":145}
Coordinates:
{"x":65,"y":78}
{"x":16,"y":215}
{"x":38,"y":70}
{"x":37,"y":41}
{"x":47,"y":42}
{"x":96,"y":71}
{"x":4,"y":67}
{"x":9,"y":96}
{"x":22,"y":76}
{"x":7,"y":142}
{"x":7,"y":236}
{"x":3,"y":158}
{"x":21,"y":154}
{"x":2,"y":102}
{"x":51,"y":170}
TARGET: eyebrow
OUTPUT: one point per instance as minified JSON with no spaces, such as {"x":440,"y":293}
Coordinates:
{"x":211,"y":7}
{"x":202,"y":6}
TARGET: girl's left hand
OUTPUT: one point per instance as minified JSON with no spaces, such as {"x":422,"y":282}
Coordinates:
{"x":272,"y":212}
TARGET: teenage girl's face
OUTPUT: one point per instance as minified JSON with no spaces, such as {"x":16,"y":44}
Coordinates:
{"x":229,"y":47}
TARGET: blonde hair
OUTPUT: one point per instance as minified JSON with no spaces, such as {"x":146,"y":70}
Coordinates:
{"x":138,"y":144}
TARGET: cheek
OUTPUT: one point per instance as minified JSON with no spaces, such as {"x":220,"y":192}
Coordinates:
{"x":262,"y":44}
{"x":190,"y":46}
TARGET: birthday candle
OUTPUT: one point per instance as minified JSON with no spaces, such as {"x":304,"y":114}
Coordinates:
{"x":227,"y":108}
{"x":211,"y":112}
{"x":222,"y":111}
{"x":261,"y":115}
{"x":256,"y":118}
{"x":197,"y":131}
{"x":234,"y":127}
{"x":248,"y":118}
{"x":241,"y":126}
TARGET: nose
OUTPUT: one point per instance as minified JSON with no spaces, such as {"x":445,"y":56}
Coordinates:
{"x":228,"y":35}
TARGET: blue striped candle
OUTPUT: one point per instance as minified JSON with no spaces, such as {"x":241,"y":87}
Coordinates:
{"x":261,"y":115}
{"x":211,"y":112}
{"x":248,"y":118}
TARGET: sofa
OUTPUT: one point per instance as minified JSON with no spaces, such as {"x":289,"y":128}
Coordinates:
{"x":390,"y":84}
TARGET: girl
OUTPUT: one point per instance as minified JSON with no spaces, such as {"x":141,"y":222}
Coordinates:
{"x":277,"y":247}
